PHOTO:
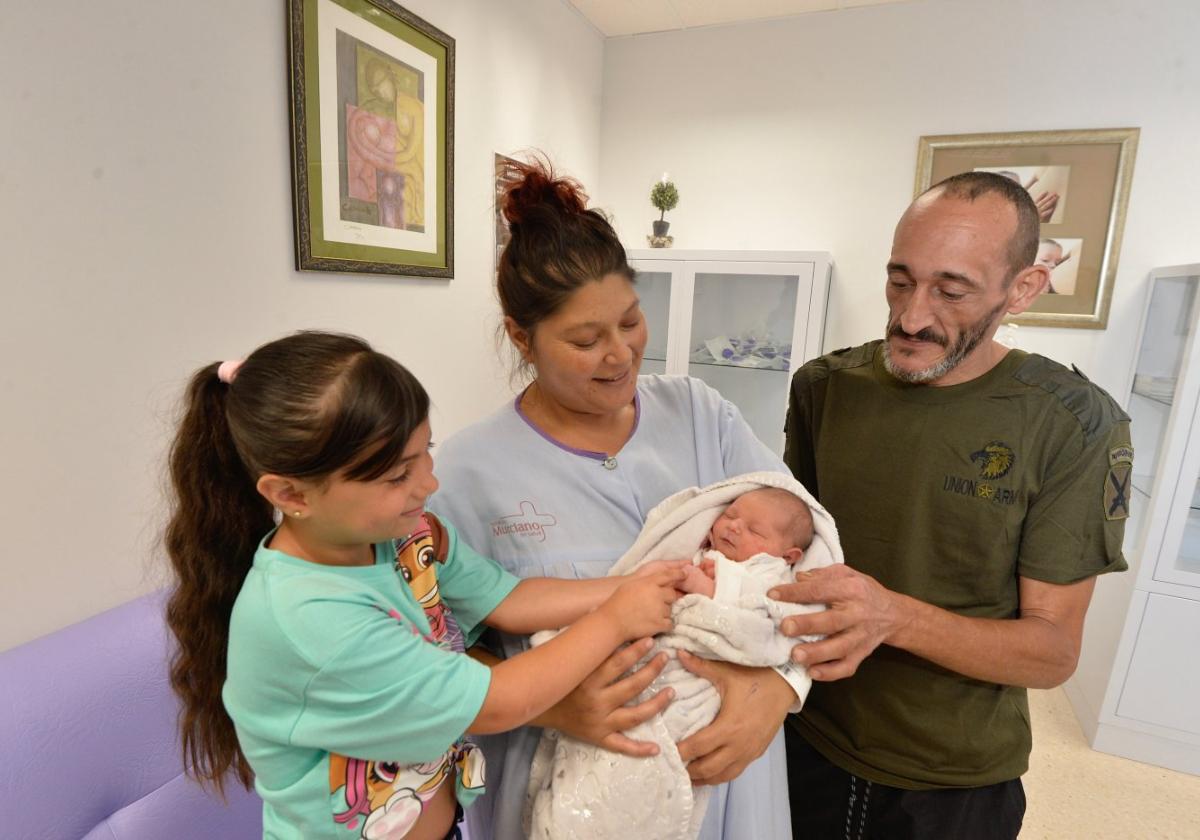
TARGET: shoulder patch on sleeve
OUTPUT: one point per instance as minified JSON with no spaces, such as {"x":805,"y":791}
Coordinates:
{"x":1120,"y":455}
{"x":1116,"y":490}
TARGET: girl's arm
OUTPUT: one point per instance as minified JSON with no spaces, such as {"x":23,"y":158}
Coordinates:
{"x":526,"y":685}
{"x":549,"y":603}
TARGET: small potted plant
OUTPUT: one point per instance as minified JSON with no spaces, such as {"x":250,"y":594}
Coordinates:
{"x":664,"y":196}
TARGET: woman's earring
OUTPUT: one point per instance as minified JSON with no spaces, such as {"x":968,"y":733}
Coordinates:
{"x":295,"y":513}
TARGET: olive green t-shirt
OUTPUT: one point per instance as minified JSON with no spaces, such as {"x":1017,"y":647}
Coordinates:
{"x":949,"y":494}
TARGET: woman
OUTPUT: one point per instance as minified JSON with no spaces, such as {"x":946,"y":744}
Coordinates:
{"x":559,"y":483}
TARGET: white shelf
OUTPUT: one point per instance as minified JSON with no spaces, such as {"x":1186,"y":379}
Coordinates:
{"x":1138,"y":694}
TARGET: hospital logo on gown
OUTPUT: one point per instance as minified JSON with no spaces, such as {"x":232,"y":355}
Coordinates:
{"x":527,"y":523}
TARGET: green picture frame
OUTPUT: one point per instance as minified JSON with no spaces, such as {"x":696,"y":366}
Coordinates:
{"x":1080,"y":182}
{"x":372,"y":120}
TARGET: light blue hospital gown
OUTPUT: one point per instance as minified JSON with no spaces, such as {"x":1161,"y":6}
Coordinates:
{"x":541,"y":509}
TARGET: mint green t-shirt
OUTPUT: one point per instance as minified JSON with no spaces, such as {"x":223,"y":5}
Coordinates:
{"x":950,"y":495}
{"x":349,"y":688}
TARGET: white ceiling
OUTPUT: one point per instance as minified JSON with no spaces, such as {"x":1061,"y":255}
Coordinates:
{"x":634,"y":17}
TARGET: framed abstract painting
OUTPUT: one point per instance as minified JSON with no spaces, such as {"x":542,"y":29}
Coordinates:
{"x":372,"y":115}
{"x":1079,"y":182}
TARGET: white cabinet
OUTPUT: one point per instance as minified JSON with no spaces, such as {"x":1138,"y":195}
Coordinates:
{"x":742,"y":321}
{"x":1137,"y":694}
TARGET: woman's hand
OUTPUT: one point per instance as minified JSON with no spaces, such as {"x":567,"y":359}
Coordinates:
{"x":595,"y":711}
{"x":754,"y":702}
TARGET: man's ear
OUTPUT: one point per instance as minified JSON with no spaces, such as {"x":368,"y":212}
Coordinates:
{"x":289,"y":495}
{"x":520,"y":338}
{"x":1025,"y":288}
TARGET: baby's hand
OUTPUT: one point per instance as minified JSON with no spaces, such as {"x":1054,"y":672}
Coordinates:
{"x":698,"y":580}
{"x":642,"y":605}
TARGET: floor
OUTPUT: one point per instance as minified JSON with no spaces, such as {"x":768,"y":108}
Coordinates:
{"x":1075,"y":792}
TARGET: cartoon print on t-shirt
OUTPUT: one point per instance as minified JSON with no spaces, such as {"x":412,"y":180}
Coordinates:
{"x":416,"y":559}
{"x":377,"y":799}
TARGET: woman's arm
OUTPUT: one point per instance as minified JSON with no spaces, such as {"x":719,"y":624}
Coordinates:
{"x":526,"y":685}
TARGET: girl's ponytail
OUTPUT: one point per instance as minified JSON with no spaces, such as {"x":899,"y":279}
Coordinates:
{"x":309,"y":405}
{"x":217,"y":520}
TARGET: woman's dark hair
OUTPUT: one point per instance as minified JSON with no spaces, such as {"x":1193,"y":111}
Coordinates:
{"x":556,"y":244}
{"x":312,"y":405}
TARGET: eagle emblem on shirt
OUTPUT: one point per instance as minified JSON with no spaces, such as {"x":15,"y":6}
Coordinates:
{"x":994,"y":460}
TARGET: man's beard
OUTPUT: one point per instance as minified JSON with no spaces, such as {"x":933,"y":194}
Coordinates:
{"x":968,"y":340}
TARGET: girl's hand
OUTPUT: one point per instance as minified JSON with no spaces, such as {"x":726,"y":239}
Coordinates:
{"x":653,"y":566}
{"x":595,"y":711}
{"x":642,"y":605}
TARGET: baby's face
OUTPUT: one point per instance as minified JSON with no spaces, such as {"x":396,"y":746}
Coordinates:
{"x":1049,"y":254}
{"x":751,"y":525}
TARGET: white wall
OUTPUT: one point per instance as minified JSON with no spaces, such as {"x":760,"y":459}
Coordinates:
{"x":145,"y":210}
{"x":802,"y":134}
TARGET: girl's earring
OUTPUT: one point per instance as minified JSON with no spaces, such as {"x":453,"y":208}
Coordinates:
{"x":295,"y":513}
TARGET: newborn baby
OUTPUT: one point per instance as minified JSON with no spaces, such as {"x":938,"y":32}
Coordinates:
{"x":749,"y":540}
{"x":767,"y":529}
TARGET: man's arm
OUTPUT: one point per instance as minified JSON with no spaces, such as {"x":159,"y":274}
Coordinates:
{"x":1039,"y":649}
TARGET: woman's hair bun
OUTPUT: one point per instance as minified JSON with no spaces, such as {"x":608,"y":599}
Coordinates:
{"x":528,"y":189}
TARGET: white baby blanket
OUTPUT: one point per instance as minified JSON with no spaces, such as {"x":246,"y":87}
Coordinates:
{"x":578,"y":791}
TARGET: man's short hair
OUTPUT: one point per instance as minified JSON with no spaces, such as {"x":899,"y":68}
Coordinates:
{"x":968,"y":186}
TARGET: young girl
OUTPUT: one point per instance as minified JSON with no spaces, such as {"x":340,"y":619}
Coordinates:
{"x":323,"y":657}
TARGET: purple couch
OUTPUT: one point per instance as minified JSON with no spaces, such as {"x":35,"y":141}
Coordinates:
{"x":88,"y":741}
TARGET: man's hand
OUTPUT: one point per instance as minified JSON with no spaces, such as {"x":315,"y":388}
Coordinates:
{"x":595,"y":711}
{"x":861,"y":614}
{"x":754,"y":702}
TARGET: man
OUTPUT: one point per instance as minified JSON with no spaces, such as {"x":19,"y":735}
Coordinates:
{"x":978,"y":491}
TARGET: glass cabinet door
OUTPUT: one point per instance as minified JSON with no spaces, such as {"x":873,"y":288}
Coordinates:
{"x":1188,"y":558}
{"x":654,"y":290}
{"x":1159,"y":362}
{"x":1164,"y":406}
{"x":743,"y":324}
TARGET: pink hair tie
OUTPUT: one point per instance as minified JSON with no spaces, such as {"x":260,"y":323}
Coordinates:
{"x":228,"y":370}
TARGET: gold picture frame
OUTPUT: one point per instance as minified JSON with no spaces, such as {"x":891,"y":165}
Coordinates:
{"x":1080,"y":181}
{"x":372,"y":115}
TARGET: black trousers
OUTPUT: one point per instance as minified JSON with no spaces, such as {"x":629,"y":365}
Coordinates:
{"x":827,"y":803}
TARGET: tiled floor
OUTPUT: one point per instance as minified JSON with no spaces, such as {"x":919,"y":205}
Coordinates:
{"x":1076,"y":792}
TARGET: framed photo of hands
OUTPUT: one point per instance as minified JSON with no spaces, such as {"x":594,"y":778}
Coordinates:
{"x":372,"y":113}
{"x":1079,"y":181}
